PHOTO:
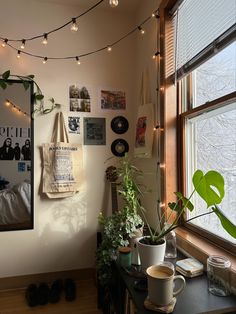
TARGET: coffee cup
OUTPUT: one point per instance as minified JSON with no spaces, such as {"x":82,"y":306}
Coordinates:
{"x":161,"y":280}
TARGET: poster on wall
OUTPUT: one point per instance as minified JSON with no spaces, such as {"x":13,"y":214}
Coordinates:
{"x":79,"y":99}
{"x":15,"y":143}
{"x":74,"y":125}
{"x":113,"y":100}
{"x":94,"y":131}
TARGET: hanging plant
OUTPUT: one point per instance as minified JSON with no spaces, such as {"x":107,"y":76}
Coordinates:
{"x":38,"y":97}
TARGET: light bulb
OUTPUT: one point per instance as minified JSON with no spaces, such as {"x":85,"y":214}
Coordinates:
{"x":109,"y":48}
{"x":4,"y":43}
{"x":113,"y":3}
{"x":74,"y":26}
{"x":77,"y":60}
{"x":22,"y":46}
{"x":18,"y":54}
{"x":7,"y":103}
{"x":45,"y":60}
{"x":45,"y":39}
{"x":142,"y":31}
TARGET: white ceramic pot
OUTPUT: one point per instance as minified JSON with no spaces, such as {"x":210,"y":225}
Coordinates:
{"x":151,"y":254}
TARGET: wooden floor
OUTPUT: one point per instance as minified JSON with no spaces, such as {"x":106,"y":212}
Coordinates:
{"x":13,"y":302}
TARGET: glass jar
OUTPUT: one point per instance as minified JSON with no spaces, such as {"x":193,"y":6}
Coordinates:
{"x":124,"y":256}
{"x":218,"y":274}
{"x":171,"y":251}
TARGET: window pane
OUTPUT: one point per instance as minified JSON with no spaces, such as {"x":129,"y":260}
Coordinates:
{"x":211,"y":145}
{"x":216,"y":77}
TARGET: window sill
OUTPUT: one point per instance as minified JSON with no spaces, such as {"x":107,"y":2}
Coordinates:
{"x":199,"y":248}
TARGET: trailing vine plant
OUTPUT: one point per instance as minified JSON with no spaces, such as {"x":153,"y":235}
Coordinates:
{"x":38,"y":96}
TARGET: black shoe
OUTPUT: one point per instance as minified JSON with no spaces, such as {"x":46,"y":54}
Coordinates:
{"x":43,"y":293}
{"x":31,"y":295}
{"x":55,"y":291}
{"x":70,"y":289}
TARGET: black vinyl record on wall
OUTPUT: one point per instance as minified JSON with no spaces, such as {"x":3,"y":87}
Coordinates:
{"x":119,"y":124}
{"x":119,"y":147}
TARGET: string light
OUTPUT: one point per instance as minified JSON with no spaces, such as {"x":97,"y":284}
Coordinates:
{"x":156,"y":55}
{"x":77,"y":60}
{"x":4,"y":43}
{"x":113,"y":3}
{"x":108,"y":48}
{"x":22,"y":46}
{"x":45,"y":39}
{"x":45,"y":59}
{"x":142,"y":31}
{"x":74,"y":26}
{"x":15,"y":107}
{"x":18,"y":54}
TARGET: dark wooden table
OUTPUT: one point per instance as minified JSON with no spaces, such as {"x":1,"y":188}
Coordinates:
{"x":195,"y":298}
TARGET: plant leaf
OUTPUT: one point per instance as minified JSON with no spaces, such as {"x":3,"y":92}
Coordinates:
{"x":204,"y":185}
{"x":26,"y":84}
{"x":186,"y":202}
{"x":226,"y":223}
{"x":6,"y":75}
{"x":174,"y":206}
{"x":3,"y":84}
{"x":31,"y":76}
{"x":39,"y":96}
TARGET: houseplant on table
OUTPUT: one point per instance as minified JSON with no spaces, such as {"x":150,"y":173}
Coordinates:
{"x":210,"y":187}
{"x":121,"y":226}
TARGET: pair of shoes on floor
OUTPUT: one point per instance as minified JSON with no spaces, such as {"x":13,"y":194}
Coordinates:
{"x":42,"y":294}
{"x":37,"y":295}
{"x":57,"y":287}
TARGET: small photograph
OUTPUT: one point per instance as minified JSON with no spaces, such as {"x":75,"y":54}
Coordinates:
{"x":113,"y":100}
{"x":80,"y":100}
{"x":74,"y":125}
{"x":94,"y":131}
{"x":21,"y":166}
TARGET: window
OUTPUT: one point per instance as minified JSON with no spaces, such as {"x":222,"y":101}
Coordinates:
{"x":210,"y":132}
{"x":200,"y":54}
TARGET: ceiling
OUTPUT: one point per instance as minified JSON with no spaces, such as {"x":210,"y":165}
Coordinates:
{"x":124,"y":5}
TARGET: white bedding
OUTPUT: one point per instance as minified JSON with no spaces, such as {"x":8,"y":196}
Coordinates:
{"x":15,"y":204}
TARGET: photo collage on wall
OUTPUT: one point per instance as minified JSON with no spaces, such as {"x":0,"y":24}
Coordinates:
{"x":94,"y":128}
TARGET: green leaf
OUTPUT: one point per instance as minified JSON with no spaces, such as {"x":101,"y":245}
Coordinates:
{"x":226,"y":223}
{"x":174,"y":206}
{"x":209,"y":186}
{"x":26,"y":84}
{"x":186,"y":202}
{"x":45,"y":111}
{"x":3,"y":84}
{"x":39,"y":96}
{"x":6,"y":75}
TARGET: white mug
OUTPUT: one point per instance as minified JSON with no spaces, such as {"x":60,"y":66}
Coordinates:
{"x":161,"y":284}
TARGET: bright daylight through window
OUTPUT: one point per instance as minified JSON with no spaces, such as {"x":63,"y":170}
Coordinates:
{"x":211,"y":134}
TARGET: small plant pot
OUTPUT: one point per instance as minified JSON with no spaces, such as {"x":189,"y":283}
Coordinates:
{"x":151,"y":254}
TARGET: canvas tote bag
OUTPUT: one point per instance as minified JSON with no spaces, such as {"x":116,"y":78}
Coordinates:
{"x":145,"y":122}
{"x":62,"y":163}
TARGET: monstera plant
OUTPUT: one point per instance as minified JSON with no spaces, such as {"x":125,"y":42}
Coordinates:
{"x":210,"y":187}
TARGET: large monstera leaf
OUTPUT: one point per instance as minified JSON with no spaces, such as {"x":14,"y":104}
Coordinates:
{"x":225,"y":221}
{"x":209,"y":186}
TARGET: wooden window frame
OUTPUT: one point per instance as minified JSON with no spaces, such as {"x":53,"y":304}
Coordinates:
{"x":172,"y":141}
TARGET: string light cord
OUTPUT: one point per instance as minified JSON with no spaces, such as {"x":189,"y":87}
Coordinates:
{"x":55,"y":29}
{"x":88,"y":53}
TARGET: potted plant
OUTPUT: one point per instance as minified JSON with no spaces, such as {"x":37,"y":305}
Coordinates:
{"x":123,"y":224}
{"x":210,"y":187}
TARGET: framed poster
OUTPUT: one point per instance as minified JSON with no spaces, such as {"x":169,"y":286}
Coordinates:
{"x":94,"y":131}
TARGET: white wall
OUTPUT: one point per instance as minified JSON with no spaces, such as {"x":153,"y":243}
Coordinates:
{"x":64,"y":236}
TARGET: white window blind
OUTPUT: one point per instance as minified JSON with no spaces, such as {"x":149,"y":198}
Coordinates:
{"x":198,"y":27}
